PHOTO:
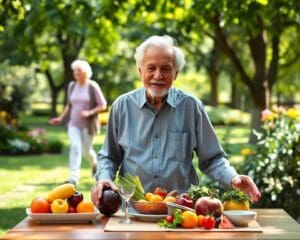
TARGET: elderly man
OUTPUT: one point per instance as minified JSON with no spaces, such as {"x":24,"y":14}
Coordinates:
{"x":154,"y":131}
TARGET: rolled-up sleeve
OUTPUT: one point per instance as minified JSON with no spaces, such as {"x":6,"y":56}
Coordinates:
{"x":212,"y":159}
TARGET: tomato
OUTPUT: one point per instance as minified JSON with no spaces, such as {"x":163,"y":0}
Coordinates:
{"x":161,"y":192}
{"x":170,"y":218}
{"x":40,"y":205}
{"x":209,"y":222}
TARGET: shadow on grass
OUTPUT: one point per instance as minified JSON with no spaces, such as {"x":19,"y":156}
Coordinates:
{"x":10,"y":217}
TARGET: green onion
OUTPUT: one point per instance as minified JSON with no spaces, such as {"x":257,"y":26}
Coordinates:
{"x":128,"y":179}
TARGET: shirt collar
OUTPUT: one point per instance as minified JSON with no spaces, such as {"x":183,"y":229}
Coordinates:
{"x":170,"y":98}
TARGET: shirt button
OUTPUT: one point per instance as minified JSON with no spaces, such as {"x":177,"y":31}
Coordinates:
{"x":155,"y":176}
{"x":156,"y":156}
{"x":156,"y":136}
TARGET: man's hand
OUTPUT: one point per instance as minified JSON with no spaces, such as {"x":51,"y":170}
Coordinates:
{"x":96,"y":192}
{"x":246,"y":184}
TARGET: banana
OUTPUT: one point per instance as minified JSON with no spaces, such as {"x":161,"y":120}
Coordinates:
{"x":62,"y":191}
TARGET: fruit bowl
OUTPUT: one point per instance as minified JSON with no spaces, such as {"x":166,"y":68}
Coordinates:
{"x":240,"y":218}
{"x":149,"y":208}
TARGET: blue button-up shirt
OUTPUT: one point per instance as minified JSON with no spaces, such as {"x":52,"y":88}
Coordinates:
{"x":158,"y":146}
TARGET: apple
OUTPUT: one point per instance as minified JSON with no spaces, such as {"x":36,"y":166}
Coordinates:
{"x":209,"y":206}
{"x":110,"y":202}
{"x":72,"y":209}
{"x":161,"y":192}
{"x":76,"y":198}
{"x":185,"y":200}
{"x":59,"y":206}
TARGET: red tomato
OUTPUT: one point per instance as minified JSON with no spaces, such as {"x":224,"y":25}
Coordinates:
{"x":209,"y":222}
{"x":161,"y":192}
{"x":170,"y":218}
{"x":40,"y":205}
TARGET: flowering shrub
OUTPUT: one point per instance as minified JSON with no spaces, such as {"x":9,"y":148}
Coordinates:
{"x":275,"y":165}
{"x":20,"y":141}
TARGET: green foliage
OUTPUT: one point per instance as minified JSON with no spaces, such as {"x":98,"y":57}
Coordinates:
{"x":276,"y":165}
{"x":177,"y":213}
{"x":55,"y":146}
{"x":235,"y":195}
{"x":195,"y":192}
{"x":16,"y":87}
{"x":10,"y":9}
{"x":14,"y":141}
{"x":226,"y":116}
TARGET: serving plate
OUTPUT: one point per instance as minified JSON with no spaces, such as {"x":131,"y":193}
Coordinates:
{"x":147,"y":217}
{"x":62,"y":217}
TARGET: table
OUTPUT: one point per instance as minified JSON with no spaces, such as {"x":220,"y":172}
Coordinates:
{"x":276,"y":224}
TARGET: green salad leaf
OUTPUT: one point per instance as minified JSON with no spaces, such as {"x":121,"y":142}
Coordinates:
{"x":177,"y":213}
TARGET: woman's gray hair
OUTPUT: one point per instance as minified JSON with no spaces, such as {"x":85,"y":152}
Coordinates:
{"x":83,"y":65}
{"x":163,"y":42}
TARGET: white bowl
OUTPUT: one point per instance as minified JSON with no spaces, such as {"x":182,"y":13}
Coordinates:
{"x":240,"y":217}
{"x":172,"y":206}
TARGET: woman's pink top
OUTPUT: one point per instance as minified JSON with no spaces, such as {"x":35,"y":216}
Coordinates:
{"x":80,"y":100}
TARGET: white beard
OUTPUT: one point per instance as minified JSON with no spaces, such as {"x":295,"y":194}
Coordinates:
{"x":157,"y":93}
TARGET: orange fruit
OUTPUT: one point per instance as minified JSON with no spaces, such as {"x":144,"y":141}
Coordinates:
{"x":170,"y":199}
{"x":149,"y":195}
{"x":40,"y":205}
{"x":85,"y":207}
{"x":156,"y":199}
{"x":189,"y":219}
{"x":200,"y":220}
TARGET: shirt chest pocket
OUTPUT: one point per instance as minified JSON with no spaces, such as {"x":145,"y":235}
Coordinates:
{"x":177,"y":146}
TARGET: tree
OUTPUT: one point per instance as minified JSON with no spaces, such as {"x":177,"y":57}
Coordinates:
{"x":258,"y":26}
{"x":54,"y":30}
{"x":10,"y":9}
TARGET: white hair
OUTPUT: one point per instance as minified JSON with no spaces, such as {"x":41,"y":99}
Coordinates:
{"x":162,"y":42}
{"x":83,"y":65}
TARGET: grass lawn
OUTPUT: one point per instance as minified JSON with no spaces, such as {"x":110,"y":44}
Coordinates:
{"x":24,"y":177}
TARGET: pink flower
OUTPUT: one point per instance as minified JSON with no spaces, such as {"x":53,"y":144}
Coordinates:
{"x":266,"y":115}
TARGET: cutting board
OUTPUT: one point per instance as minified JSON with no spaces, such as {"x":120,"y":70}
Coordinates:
{"x":114,"y":225}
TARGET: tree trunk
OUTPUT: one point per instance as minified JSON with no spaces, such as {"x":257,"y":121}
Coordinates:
{"x":71,"y":47}
{"x":213,"y":74}
{"x":55,"y":89}
{"x":259,"y":95}
{"x":234,"y":95}
{"x":213,"y":70}
{"x":68,"y":74}
{"x":54,"y":94}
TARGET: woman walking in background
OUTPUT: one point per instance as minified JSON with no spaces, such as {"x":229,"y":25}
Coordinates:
{"x":85,"y":101}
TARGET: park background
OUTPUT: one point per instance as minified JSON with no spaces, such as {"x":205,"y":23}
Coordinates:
{"x":242,"y":58}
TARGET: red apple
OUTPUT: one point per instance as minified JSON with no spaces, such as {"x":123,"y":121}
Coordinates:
{"x":76,"y":198}
{"x":72,"y":209}
{"x":185,"y":200}
{"x":209,"y":206}
{"x":161,"y":192}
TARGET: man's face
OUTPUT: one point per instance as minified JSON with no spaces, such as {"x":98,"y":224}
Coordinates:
{"x":158,"y":71}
